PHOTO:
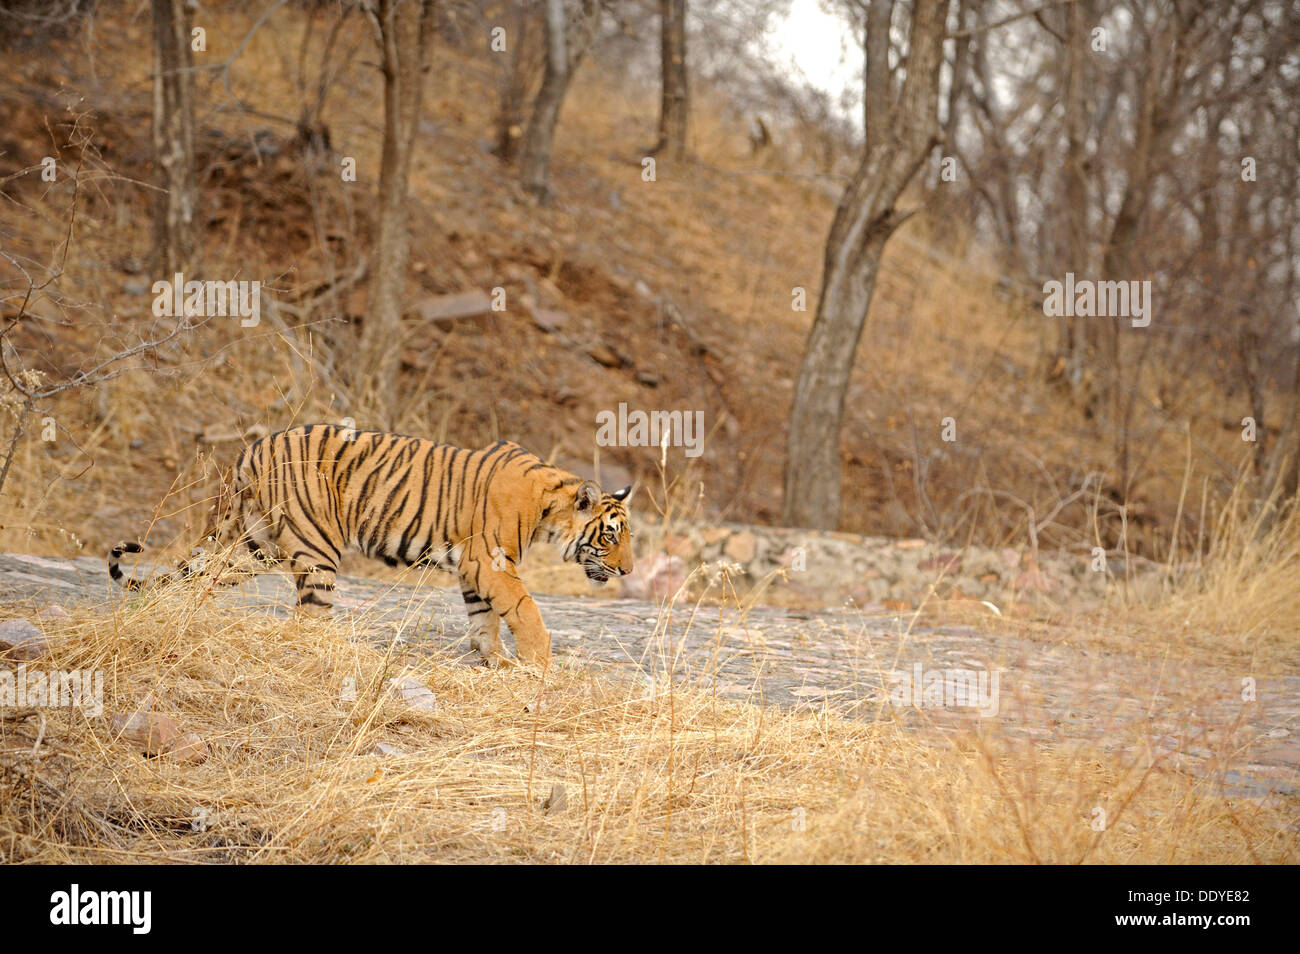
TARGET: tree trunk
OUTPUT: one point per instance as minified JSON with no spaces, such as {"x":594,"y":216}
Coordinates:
{"x":523,"y":64}
{"x":900,"y":136}
{"x":565,"y":45}
{"x":404,"y":34}
{"x":176,"y":204}
{"x":1075,"y":345}
{"x":674,"y":104}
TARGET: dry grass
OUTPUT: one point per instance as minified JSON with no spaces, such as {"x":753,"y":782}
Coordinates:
{"x":678,"y":776}
{"x":1242,"y":598}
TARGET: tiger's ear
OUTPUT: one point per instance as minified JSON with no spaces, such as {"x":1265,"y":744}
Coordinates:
{"x":625,"y":493}
{"x":586,"y":496}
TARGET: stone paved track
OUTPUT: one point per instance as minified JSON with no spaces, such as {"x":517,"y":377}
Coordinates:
{"x":1049,"y":694}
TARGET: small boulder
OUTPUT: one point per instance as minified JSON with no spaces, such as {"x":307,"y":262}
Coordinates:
{"x":557,"y":801}
{"x":549,"y":320}
{"x":151,"y":732}
{"x":949,"y":563}
{"x":20,"y":640}
{"x":415,"y":695}
{"x":741,"y":546}
{"x":444,"y":310}
{"x":655,"y":577}
{"x":187,"y":748}
{"x":606,"y":356}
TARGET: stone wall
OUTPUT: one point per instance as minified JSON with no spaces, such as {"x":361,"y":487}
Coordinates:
{"x":827,"y":568}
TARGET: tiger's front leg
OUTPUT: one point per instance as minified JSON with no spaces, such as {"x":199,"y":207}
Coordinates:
{"x":504,"y":593}
{"x":484,"y":627}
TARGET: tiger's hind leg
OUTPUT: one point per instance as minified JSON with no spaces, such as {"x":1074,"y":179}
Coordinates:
{"x":484,"y":627}
{"x":315,"y":584}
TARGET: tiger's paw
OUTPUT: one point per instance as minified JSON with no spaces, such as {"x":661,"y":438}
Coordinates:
{"x":490,"y":654}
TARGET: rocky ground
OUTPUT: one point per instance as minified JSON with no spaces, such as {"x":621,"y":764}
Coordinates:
{"x":1234,"y":728}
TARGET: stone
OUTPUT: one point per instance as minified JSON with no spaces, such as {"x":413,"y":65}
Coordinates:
{"x":446,"y":310}
{"x":677,"y":544}
{"x":549,"y":320}
{"x":414,"y":694}
{"x":53,"y":611}
{"x":557,"y":801}
{"x":943,"y":562}
{"x":741,"y":546}
{"x":654,"y":577}
{"x":386,"y":750}
{"x":187,"y":748}
{"x":151,"y":732}
{"x":1033,"y":580}
{"x":712,"y":535}
{"x":604,"y":355}
{"x":20,"y":640}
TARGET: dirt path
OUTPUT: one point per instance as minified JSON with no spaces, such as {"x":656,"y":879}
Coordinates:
{"x":1197,"y":717}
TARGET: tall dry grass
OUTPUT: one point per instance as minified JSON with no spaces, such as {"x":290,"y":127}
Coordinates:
{"x":1236,"y":590}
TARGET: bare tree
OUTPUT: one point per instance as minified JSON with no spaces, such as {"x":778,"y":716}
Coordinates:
{"x":404,"y":33}
{"x":173,"y":136}
{"x":567,"y":41}
{"x":901,"y":131}
{"x":674,"y":107}
{"x":524,"y":62}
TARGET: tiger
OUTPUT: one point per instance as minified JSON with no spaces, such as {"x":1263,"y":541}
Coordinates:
{"x":298,"y":498}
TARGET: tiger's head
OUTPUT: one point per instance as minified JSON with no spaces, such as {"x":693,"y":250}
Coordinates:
{"x":593,"y":531}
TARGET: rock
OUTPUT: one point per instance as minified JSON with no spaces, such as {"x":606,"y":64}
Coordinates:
{"x":655,"y":577}
{"x":188,"y":748}
{"x":945,"y":562}
{"x":1033,"y":579}
{"x":20,"y":640}
{"x":414,"y":694}
{"x":604,"y":355}
{"x":387,"y":751}
{"x":548,"y":320}
{"x":678,"y":544}
{"x":712,"y":535}
{"x":557,"y":801}
{"x":642,"y":289}
{"x":53,"y":611}
{"x":445,"y":310}
{"x":741,"y":546}
{"x":151,"y":732}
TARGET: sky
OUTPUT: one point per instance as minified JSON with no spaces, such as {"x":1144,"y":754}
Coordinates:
{"x":819,"y":46}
